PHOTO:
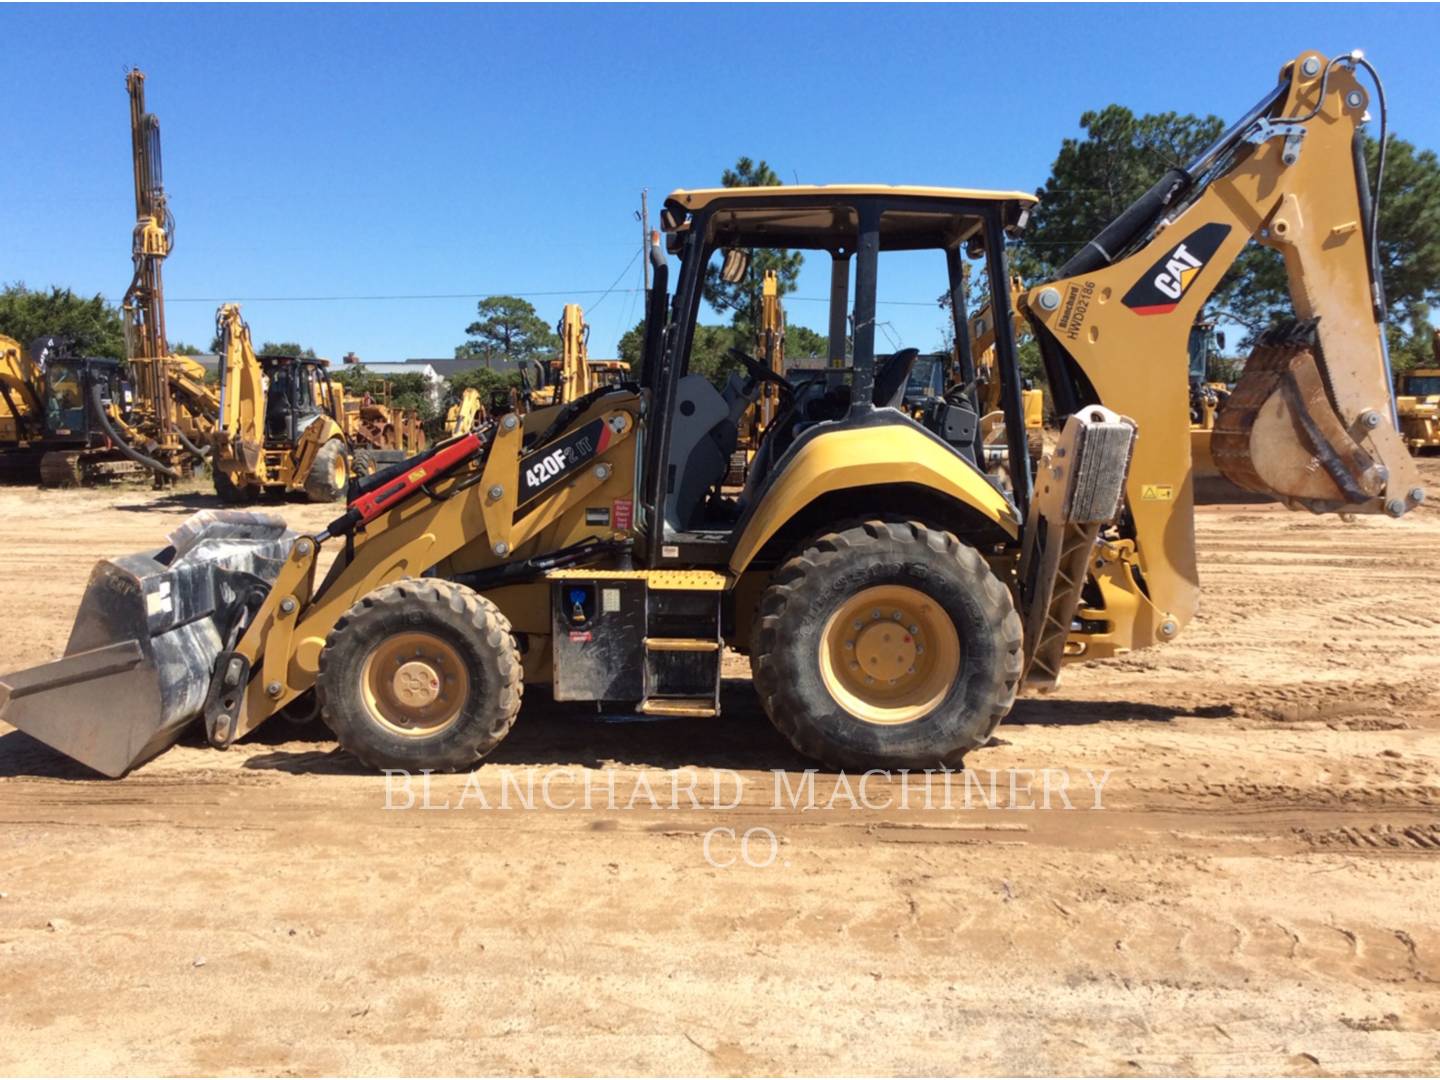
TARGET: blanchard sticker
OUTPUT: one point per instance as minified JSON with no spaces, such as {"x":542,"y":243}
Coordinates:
{"x":550,"y":464}
{"x":1160,"y":290}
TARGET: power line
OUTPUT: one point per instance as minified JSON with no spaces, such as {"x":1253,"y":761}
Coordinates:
{"x":618,"y":278}
{"x":392,"y":296}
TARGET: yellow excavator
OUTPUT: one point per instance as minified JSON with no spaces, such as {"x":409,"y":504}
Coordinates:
{"x":280,"y":428}
{"x":891,"y":597}
{"x":572,"y":374}
{"x":1419,"y":405}
{"x":466,"y":414}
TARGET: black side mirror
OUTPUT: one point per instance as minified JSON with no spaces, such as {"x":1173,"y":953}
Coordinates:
{"x":735,"y":266}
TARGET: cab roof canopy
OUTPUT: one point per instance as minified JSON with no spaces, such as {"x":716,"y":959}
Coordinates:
{"x":824,"y":215}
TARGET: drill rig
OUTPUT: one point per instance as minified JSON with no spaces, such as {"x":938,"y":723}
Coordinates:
{"x":892,"y":597}
{"x":167,"y":412}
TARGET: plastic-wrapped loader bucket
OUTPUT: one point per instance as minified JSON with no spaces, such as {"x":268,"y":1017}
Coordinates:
{"x":138,"y":664}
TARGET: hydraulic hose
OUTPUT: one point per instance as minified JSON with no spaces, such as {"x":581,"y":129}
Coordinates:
{"x":201,"y":452}
{"x":97,"y":402}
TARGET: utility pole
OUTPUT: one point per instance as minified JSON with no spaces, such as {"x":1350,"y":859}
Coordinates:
{"x":645,"y":236}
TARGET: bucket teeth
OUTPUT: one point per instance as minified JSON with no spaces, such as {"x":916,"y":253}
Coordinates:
{"x":137,"y":667}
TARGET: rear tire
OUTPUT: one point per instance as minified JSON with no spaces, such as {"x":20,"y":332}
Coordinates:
{"x":329,"y":475}
{"x":887,"y":645}
{"x":363,"y":464}
{"x":420,"y":674}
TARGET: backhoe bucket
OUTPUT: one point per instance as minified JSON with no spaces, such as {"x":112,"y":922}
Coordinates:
{"x":138,"y":664}
{"x":1293,"y":431}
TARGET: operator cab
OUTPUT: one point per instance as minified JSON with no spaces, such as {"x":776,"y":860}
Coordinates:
{"x":883,"y":245}
{"x":68,"y":386}
{"x":298,"y":392}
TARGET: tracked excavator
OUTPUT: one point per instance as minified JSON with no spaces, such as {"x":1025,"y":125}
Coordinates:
{"x":891,"y":594}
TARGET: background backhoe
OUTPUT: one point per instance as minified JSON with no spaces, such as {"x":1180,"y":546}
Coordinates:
{"x":280,"y":428}
{"x":1419,"y":405}
{"x":892,"y":595}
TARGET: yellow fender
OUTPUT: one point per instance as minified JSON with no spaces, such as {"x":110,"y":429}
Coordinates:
{"x":849,"y":458}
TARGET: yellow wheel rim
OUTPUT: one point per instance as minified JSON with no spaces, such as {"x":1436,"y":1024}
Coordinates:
{"x":414,"y":684}
{"x":889,"y":654}
{"x":340,"y":471}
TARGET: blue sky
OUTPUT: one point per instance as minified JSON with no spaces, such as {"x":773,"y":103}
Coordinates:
{"x":368,"y":151}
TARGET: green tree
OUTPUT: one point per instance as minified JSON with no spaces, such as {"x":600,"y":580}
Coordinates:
{"x":743,"y":298}
{"x":180,"y":348}
{"x":284,"y":348}
{"x":802,"y":343}
{"x":632,"y":345}
{"x":507,"y":330}
{"x":93,"y":325}
{"x":1095,"y":177}
{"x":485,"y":380}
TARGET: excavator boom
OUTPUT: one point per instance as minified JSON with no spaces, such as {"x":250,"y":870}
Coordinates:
{"x":1311,"y":422}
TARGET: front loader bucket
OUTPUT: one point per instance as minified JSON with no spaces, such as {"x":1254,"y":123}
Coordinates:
{"x":1285,"y":431}
{"x":137,"y":667}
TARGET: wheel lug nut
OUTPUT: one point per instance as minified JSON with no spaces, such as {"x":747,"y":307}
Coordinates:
{"x":914,"y":629}
{"x":849,"y":644}
{"x":897,"y":616}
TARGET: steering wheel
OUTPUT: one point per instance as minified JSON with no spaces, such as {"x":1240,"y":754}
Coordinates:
{"x":760,"y":371}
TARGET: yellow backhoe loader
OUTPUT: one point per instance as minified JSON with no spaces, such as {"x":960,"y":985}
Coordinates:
{"x":572,"y":374}
{"x":891,"y":597}
{"x":281,"y":423}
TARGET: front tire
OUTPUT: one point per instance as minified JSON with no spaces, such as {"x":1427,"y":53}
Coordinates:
{"x":329,"y":475}
{"x":420,"y":674}
{"x":887,"y":645}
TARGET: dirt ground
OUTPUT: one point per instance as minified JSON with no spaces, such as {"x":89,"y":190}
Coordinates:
{"x":1259,"y":893}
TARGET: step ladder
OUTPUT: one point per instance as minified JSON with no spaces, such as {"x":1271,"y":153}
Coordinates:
{"x":682,"y":653}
